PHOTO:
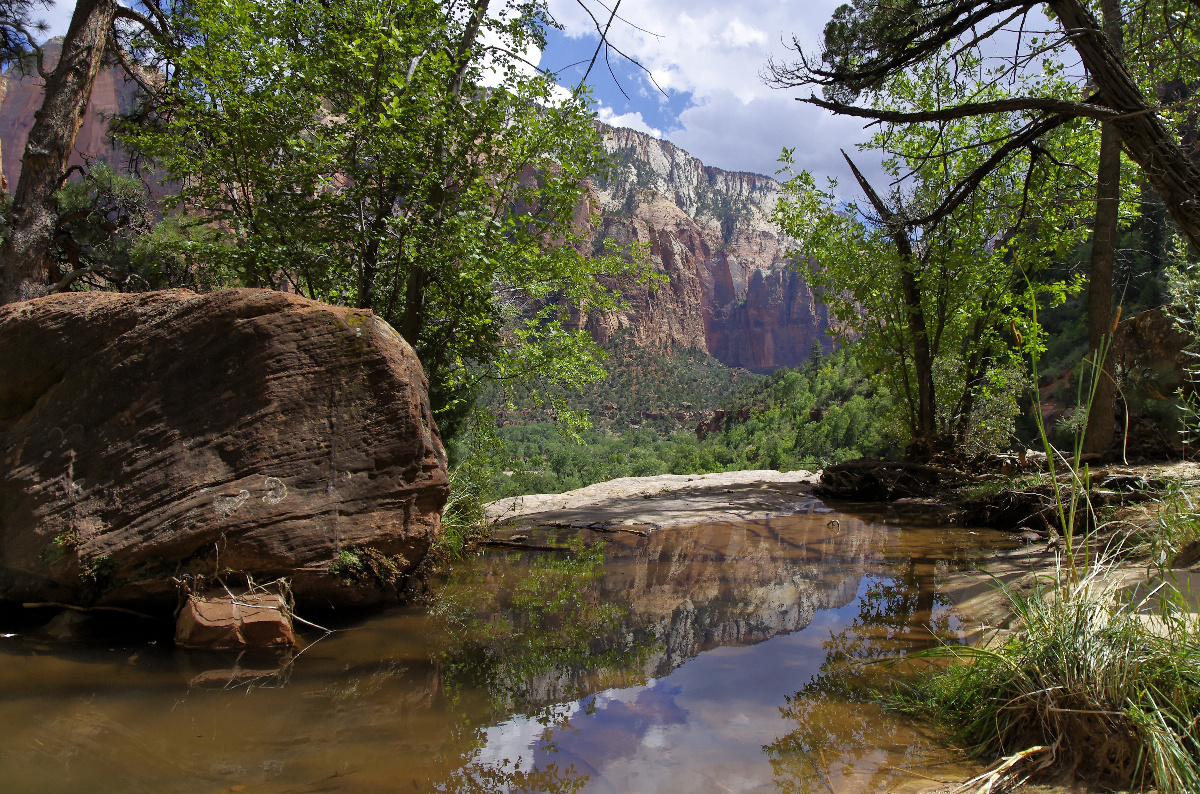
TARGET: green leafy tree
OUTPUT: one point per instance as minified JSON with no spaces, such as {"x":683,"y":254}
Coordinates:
{"x":929,"y":274}
{"x":1140,"y":59}
{"x":401,"y":157}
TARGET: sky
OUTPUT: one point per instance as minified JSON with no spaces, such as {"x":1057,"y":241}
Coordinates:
{"x":708,"y":56}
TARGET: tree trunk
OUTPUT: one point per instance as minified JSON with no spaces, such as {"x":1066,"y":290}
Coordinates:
{"x":27,"y":253}
{"x":412,"y":322}
{"x":1147,"y":140}
{"x":922,"y":353}
{"x":3,"y":179}
{"x":1102,"y":413}
{"x":1100,"y":284}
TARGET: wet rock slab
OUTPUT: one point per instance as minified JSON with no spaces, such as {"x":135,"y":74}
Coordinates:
{"x":665,"y":501}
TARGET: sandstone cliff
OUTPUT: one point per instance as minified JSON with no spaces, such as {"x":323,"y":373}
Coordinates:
{"x":21,"y":97}
{"x":167,"y":437}
{"x":729,"y":289}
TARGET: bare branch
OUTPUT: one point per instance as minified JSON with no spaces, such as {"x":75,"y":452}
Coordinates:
{"x":1085,"y":109}
{"x":125,"y":12}
{"x":602,"y":42}
{"x":966,"y":187}
{"x":38,"y":53}
{"x":130,"y":66}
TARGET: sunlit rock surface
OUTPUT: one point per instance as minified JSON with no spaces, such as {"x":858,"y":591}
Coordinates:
{"x":665,"y":500}
{"x":153,"y":437}
{"x":729,"y":288}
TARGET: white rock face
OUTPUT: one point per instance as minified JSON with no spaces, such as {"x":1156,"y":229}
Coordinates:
{"x":665,"y":500}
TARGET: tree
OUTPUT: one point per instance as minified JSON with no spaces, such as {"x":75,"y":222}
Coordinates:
{"x":18,"y":34}
{"x":397,"y":156}
{"x":864,"y":42}
{"x":871,"y":40}
{"x":941,"y":290}
{"x":27,"y":260}
{"x":1102,"y":411}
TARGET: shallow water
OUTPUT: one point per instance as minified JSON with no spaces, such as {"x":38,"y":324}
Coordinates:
{"x":716,"y":658}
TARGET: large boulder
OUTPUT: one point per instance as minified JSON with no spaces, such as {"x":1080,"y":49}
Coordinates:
{"x":152,"y":442}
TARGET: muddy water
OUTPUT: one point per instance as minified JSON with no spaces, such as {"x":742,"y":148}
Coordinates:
{"x":714,"y":658}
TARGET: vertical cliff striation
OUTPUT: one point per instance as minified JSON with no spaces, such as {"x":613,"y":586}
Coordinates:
{"x":729,"y":289}
{"x":21,"y":97}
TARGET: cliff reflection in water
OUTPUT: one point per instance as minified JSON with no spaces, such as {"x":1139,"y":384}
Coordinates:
{"x":656,"y":663}
{"x":540,"y":629}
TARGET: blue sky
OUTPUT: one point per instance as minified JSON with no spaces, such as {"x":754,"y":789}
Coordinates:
{"x":709,"y":56}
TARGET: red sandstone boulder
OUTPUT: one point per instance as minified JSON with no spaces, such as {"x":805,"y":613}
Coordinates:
{"x":153,"y":437}
{"x":222,"y":620}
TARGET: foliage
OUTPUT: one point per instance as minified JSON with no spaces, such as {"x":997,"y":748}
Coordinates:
{"x":472,"y":468}
{"x":1104,"y":681}
{"x":643,"y":387}
{"x":1184,"y":282}
{"x":397,"y":156}
{"x":110,"y":235}
{"x":362,"y":564}
{"x":515,"y":627}
{"x":967,"y":267}
{"x":1087,"y":674}
{"x":825,"y":411}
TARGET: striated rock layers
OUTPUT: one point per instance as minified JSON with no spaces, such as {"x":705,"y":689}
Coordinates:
{"x":728,"y":289}
{"x":162,"y":438}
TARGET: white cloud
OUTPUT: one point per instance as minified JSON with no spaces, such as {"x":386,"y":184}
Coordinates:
{"x":749,"y":136}
{"x":717,"y":50}
{"x":633,"y":121}
{"x":739,"y":34}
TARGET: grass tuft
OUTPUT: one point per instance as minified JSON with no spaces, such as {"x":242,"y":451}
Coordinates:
{"x":1111,"y":685}
{"x":463,"y":519}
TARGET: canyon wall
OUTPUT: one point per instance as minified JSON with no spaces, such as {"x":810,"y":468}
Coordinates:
{"x":21,"y":97}
{"x":728,"y":288}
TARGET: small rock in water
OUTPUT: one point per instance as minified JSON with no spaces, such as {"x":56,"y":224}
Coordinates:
{"x":1028,"y":535}
{"x":518,"y":538}
{"x":218,"y":620}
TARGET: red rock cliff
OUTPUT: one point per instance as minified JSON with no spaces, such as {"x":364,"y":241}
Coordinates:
{"x":20,"y":98}
{"x":729,"y":289}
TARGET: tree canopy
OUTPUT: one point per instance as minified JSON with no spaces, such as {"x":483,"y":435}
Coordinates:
{"x":931,"y":276}
{"x":396,"y":156}
{"x":869,"y":41}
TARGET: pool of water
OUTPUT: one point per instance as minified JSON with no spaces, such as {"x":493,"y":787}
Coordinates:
{"x":713,"y":658}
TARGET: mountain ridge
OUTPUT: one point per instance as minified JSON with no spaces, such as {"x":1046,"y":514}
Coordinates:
{"x":729,"y":288}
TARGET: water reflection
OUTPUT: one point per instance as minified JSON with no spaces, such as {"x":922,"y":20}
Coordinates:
{"x":632,"y":663}
{"x":842,"y":739}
